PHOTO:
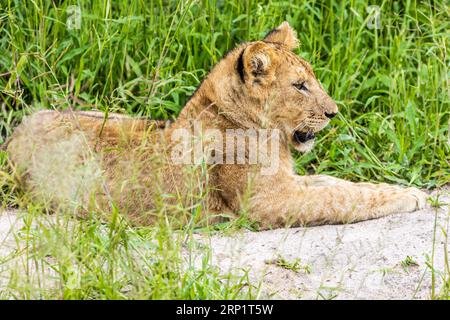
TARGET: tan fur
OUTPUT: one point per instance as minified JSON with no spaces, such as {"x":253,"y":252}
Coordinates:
{"x":84,"y":160}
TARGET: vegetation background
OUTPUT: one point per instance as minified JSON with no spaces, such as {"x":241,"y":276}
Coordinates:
{"x":147,"y":57}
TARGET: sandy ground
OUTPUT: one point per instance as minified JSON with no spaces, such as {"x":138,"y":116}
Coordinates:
{"x":356,"y":261}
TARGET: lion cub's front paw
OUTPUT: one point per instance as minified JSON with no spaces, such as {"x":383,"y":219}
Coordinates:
{"x":418,"y":196}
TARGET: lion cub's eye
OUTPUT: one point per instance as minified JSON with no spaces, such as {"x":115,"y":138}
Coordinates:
{"x":301,"y":86}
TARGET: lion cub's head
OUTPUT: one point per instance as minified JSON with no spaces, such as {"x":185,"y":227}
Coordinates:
{"x":268,"y":83}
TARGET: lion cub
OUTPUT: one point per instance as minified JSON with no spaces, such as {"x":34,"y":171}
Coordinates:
{"x":227,"y":153}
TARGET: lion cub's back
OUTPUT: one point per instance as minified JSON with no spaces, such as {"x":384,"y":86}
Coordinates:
{"x":75,"y":132}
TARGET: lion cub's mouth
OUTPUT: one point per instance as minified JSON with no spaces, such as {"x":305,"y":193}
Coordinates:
{"x":302,"y":137}
{"x":303,"y":141}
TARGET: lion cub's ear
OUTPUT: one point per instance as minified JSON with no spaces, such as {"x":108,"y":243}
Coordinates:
{"x":259,"y":64}
{"x":284,"y":35}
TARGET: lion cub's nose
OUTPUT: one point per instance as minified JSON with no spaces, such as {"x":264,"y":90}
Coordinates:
{"x":330,"y":115}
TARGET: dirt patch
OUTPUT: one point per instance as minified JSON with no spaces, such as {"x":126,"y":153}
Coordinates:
{"x":378,"y":259}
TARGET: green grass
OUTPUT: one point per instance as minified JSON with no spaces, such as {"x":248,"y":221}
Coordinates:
{"x":58,"y":257}
{"x":147,"y":57}
{"x":294,"y":265}
{"x":438,"y":277}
